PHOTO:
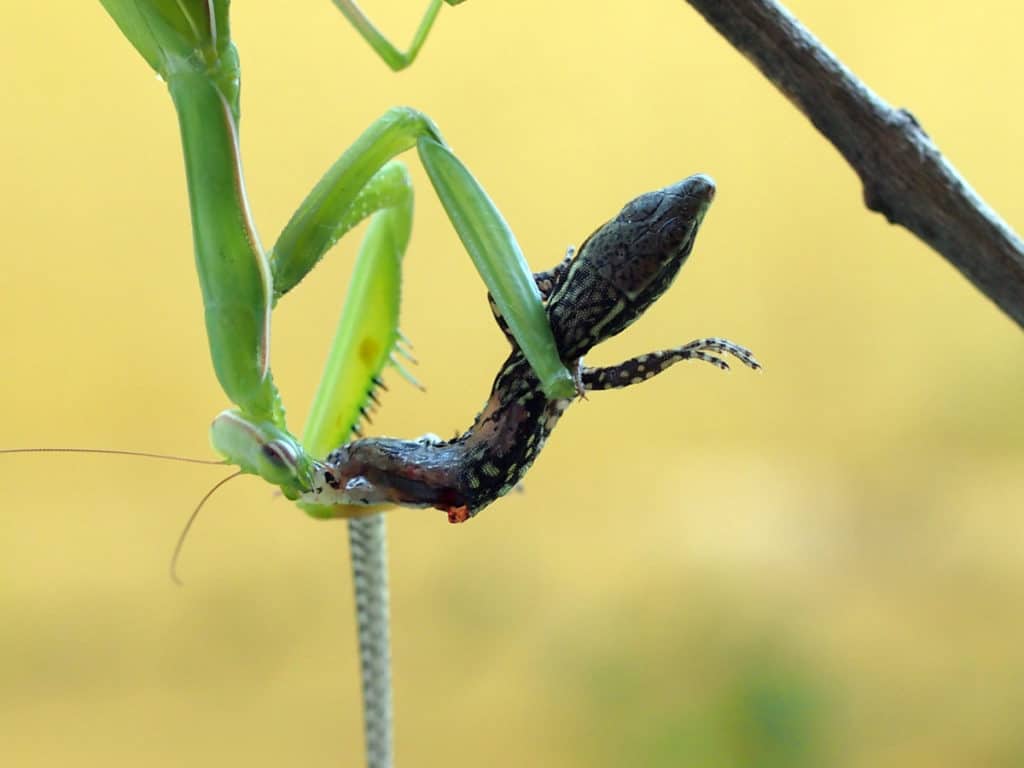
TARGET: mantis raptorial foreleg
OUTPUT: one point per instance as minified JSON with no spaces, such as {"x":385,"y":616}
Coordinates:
{"x":546,"y":282}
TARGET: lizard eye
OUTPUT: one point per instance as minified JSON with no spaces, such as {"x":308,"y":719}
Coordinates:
{"x":673,"y":233}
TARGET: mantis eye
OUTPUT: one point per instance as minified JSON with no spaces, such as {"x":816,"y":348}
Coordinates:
{"x":280,"y":454}
{"x":262,"y":449}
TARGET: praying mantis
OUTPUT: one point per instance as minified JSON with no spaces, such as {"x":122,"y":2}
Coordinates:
{"x":188,"y":44}
{"x":193,"y":54}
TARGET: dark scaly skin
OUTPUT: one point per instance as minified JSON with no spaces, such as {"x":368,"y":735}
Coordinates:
{"x":460,"y":476}
{"x":620,"y":270}
{"x":643,"y":367}
{"x":626,"y":265}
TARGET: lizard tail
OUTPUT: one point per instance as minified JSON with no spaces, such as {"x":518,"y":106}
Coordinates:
{"x":368,"y":547}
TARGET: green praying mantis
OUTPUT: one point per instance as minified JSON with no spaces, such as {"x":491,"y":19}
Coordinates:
{"x":188,"y":44}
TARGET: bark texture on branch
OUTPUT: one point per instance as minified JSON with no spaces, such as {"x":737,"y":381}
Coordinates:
{"x":905,"y":177}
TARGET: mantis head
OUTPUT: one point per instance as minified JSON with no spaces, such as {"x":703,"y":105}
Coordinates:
{"x":264,"y":449}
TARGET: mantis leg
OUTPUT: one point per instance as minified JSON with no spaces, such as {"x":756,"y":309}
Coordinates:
{"x":331,"y":209}
{"x":367,"y":331}
{"x":499,"y":260}
{"x":546,"y":282}
{"x":644,"y":367}
{"x":341,"y":199}
{"x":394,"y":58}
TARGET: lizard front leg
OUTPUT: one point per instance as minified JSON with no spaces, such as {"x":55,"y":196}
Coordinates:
{"x":643,"y":367}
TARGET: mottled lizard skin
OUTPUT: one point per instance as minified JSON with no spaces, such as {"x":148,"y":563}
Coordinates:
{"x":618,"y":272}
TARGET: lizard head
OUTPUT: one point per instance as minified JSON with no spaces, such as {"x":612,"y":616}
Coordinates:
{"x":627,"y":264}
{"x":643,"y":248}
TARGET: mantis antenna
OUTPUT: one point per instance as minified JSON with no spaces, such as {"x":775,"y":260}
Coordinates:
{"x":188,"y":525}
{"x":147,"y":455}
{"x":115,"y":452}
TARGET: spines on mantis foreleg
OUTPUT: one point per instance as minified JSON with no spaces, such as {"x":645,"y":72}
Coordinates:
{"x":370,"y":405}
{"x":643,"y":367}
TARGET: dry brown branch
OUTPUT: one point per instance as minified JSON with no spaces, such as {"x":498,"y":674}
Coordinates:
{"x":905,"y":177}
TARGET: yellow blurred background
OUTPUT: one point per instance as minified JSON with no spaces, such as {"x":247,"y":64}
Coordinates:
{"x":818,"y":565}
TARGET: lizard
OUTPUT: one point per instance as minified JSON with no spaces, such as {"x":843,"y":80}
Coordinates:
{"x":593,"y":294}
